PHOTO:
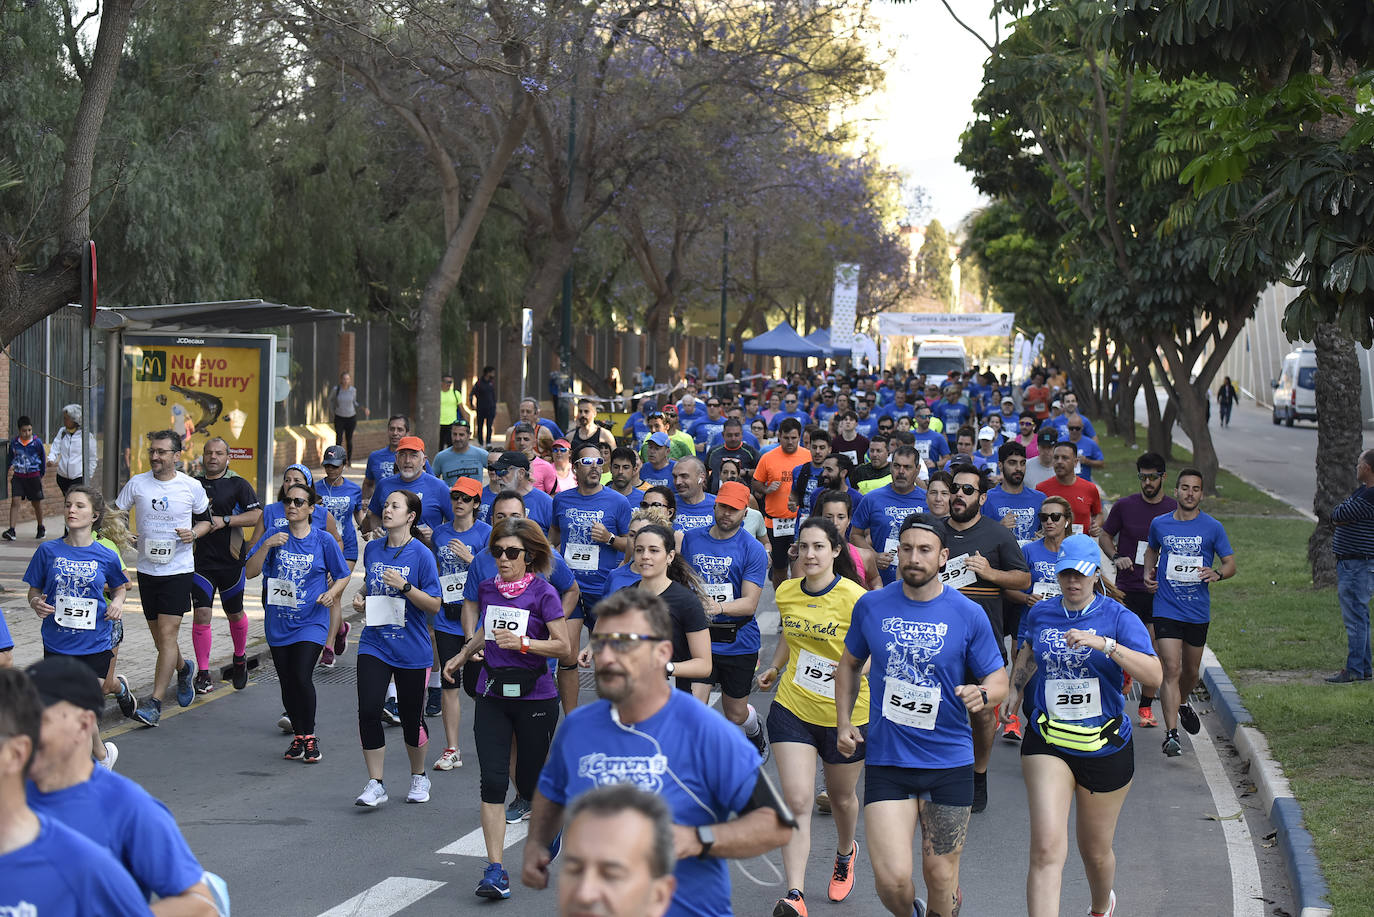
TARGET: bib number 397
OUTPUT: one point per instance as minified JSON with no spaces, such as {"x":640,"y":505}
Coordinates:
{"x":910,"y":705}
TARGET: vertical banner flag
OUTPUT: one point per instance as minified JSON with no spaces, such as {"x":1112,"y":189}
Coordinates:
{"x":843,"y":308}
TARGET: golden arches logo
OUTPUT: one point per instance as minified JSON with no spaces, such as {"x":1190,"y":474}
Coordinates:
{"x":150,"y":366}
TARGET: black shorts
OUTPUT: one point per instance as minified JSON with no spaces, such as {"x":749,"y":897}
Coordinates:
{"x":99,"y":663}
{"x":1143,"y":604}
{"x":1094,"y":773}
{"x":27,"y":488}
{"x":227,"y":581}
{"x":449,"y":645}
{"x":1189,"y":633}
{"x":781,"y":545}
{"x":584,"y":611}
{"x":165,"y":595}
{"x":944,"y":786}
{"x":786,"y":726}
{"x":734,"y":674}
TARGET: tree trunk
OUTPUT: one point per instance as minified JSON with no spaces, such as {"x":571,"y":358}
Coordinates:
{"x":1339,"y":440}
{"x":1156,"y":433}
{"x":1191,"y":402}
{"x":540,"y":295}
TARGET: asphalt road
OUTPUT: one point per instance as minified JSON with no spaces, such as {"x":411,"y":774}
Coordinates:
{"x":289,"y":841}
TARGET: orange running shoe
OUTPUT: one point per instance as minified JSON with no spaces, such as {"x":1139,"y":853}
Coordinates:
{"x":842,"y":882}
{"x":1147,"y":718}
{"x":1012,"y":731}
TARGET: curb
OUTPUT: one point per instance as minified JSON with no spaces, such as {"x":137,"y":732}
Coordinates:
{"x":1299,"y":852}
{"x":256,"y":653}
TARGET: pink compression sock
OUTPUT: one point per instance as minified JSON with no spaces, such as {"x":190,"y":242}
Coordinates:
{"x":200,"y":641}
{"x":238,"y":632}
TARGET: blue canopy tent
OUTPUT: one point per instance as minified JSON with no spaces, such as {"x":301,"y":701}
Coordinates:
{"x":821,"y":338}
{"x":783,"y":341}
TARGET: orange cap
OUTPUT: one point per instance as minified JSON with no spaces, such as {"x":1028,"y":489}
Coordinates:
{"x":733,"y":494}
{"x":467,"y":486}
{"x":413,"y":443}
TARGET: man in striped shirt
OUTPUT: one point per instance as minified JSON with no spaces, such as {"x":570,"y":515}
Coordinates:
{"x":1353,"y":544}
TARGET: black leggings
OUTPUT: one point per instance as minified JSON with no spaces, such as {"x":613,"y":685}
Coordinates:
{"x":495,"y":721}
{"x":487,"y":421}
{"x":295,"y":664}
{"x":373,"y":676}
{"x":343,"y":432}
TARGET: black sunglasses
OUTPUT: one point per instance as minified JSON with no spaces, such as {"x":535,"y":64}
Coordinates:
{"x":967,"y":490}
{"x":295,"y":501}
{"x":508,"y":553}
{"x":1051,"y":517}
{"x":465,"y":498}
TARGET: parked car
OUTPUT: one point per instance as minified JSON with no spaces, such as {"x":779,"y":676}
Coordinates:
{"x":1295,"y":390}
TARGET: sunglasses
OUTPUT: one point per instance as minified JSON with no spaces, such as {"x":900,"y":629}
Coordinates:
{"x":558,"y":449}
{"x":621,"y":643}
{"x":465,"y":498}
{"x":1051,"y":517}
{"x":967,"y":490}
{"x":295,"y":501}
{"x":1149,"y":476}
{"x":646,"y":504}
{"x":713,"y":404}
{"x":1076,"y":428}
{"x":508,"y":553}
{"x":588,"y":460}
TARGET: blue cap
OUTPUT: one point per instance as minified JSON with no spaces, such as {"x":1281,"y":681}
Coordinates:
{"x":660,"y":439}
{"x":1078,"y":552}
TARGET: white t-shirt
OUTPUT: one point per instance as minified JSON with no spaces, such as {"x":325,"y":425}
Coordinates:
{"x":159,"y":508}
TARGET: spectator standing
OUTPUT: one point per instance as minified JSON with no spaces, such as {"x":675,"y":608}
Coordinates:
{"x":450,"y":409}
{"x":1353,"y":544}
{"x":482,"y":400}
{"x":344,"y":402}
{"x":72,"y":450}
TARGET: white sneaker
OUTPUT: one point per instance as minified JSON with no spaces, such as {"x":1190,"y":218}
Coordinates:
{"x":450,"y":759}
{"x":284,"y":724}
{"x":1111,"y":907}
{"x":373,"y":795}
{"x":419,"y":788}
{"x":111,"y":756}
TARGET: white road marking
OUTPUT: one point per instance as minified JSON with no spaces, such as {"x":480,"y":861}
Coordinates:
{"x":473,"y":844}
{"x":1247,"y":892}
{"x":389,"y":896}
{"x":713,"y":699}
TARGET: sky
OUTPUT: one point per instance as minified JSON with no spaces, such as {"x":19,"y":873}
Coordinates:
{"x":928,"y":96}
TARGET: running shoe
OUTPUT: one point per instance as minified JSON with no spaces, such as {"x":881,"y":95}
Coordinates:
{"x":1109,"y":912}
{"x":10,"y":534}
{"x":449,"y":760}
{"x":1172,"y":748}
{"x":761,"y":743}
{"x":918,"y":908}
{"x":1345,"y":677}
{"x":111,"y":756}
{"x":842,"y":879}
{"x":186,"y":689}
{"x":1126,"y":684}
{"x":517,"y":811}
{"x":312,"y":751}
{"x":373,"y":795}
{"x":341,"y":639}
{"x":125,"y":698}
{"x":1147,"y":718}
{"x":327,"y":658}
{"x":391,"y":713}
{"x":794,"y":905}
{"x":419,"y":788}
{"x":434,"y":702}
{"x":1012,"y":731}
{"x":823,"y":802}
{"x":239,"y":675}
{"x":297,"y":749}
{"x":284,"y":724}
{"x":203,"y":683}
{"x":1188,"y":719}
{"x":149,"y":712}
{"x":495,"y":884}
{"x":980,"y":791}
{"x":41,"y":533}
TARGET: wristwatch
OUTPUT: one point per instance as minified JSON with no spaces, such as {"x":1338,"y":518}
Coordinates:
{"x":524,"y":644}
{"x":226,"y":521}
{"x":706,"y":838}
{"x":405,"y":590}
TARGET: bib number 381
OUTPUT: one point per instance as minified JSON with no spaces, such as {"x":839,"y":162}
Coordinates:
{"x":1073,"y":699}
{"x":910,"y":705}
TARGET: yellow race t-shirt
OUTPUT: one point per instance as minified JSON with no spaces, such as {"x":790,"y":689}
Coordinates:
{"x":814,"y":627}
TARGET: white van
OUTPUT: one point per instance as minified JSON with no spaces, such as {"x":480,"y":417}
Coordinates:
{"x":1295,"y":390}
{"x":935,"y":357}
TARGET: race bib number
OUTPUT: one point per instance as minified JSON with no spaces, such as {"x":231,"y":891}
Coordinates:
{"x":1073,"y":699}
{"x":785,"y":526}
{"x":1077,"y":529}
{"x":1184,"y":568}
{"x":923,"y":449}
{"x":815,"y":673}
{"x":1045,"y":590}
{"x":452,"y":587}
{"x":583,"y":556}
{"x":910,"y":705}
{"x":386,"y":611}
{"x":281,"y":593}
{"x":721,"y":592}
{"x":160,"y":550}
{"x":956,"y":574}
{"x":1140,"y":548}
{"x":76,"y":613}
{"x":1078,"y":468}
{"x":890,"y":546}
{"x":507,"y":618}
{"x":851,"y":455}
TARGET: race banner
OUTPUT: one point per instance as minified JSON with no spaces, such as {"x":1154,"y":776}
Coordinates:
{"x":202,"y":386}
{"x":954,"y":324}
{"x":844,"y":306}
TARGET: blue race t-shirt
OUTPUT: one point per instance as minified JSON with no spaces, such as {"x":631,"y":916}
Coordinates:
{"x":539,"y":507}
{"x":343,"y":502}
{"x":637,"y":426}
{"x":1079,"y":685}
{"x":6,"y":641}
{"x":800,"y":416}
{"x":882,"y":512}
{"x":1023,"y":507}
{"x":62,"y":874}
{"x":381,"y":463}
{"x":696,"y":760}
{"x":484,"y":508}
{"x":74,"y":580}
{"x":622,"y":577}
{"x":708,"y":431}
{"x":1086,"y":449}
{"x":724,"y":567}
{"x":805,"y":494}
{"x":931,"y":446}
{"x":688,"y":420}
{"x":484,"y":568}
{"x":402,"y":646}
{"x":867,"y":426}
{"x":575,"y":514}
{"x":953,"y":416}
{"x":453,"y":571}
{"x":1041,"y":560}
{"x":135,"y":827}
{"x":295,"y":575}
{"x":922,"y":652}
{"x":1061,"y":423}
{"x":28,"y":460}
{"x":436,"y":502}
{"x":1184,"y":549}
{"x":654,"y":476}
{"x":893,"y":411}
{"x":692,"y":516}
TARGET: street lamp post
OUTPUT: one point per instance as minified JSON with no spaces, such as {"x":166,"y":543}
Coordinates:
{"x":724,"y":277}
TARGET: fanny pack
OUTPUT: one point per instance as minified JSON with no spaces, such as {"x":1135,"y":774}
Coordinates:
{"x":453,"y":611}
{"x":725,"y":631}
{"x":513,"y":680}
{"x":1080,"y":738}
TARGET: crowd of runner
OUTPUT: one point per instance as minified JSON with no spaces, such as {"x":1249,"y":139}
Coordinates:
{"x":941,"y":561}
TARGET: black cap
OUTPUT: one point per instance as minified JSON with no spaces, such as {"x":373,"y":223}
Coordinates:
{"x":62,"y":678}
{"x":1047,"y":436}
{"x":513,"y":459}
{"x":334,"y":455}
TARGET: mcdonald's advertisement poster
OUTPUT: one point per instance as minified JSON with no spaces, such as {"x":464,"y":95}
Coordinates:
{"x":201,"y":386}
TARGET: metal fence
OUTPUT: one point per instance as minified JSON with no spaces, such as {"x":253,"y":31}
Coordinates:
{"x":47,"y":368}
{"x":313,"y":353}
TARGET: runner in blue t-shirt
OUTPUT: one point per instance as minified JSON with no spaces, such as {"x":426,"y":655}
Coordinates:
{"x":1076,"y":650}
{"x":695,"y":507}
{"x":435,"y":506}
{"x":1089,"y":453}
{"x":6,"y":643}
{"x":61,"y":872}
{"x":381,"y":462}
{"x":344,"y":501}
{"x":879,"y":516}
{"x":400,"y":587}
{"x":1182,"y":548}
{"x":924,"y":640}
{"x":930,"y":444}
{"x":1011,"y":502}
{"x":952,"y":412}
